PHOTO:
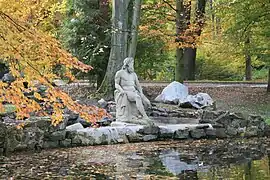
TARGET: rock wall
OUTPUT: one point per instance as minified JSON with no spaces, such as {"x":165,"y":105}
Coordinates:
{"x":39,"y":134}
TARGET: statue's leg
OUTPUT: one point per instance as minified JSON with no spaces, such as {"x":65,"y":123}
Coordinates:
{"x":146,"y":101}
{"x":134,"y":97}
{"x":140,"y":106}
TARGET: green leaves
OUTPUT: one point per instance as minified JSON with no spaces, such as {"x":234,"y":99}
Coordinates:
{"x":85,"y":33}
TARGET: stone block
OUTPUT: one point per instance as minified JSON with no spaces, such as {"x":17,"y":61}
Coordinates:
{"x":149,"y":137}
{"x":33,"y":137}
{"x":210,"y":116}
{"x":231,"y":131}
{"x":181,"y":134}
{"x":267,"y":131}
{"x":202,"y":126}
{"x":134,"y":137}
{"x":22,"y":147}
{"x":252,"y":131}
{"x":70,"y":134}
{"x":217,"y":125}
{"x":50,"y":144}
{"x":65,"y":143}
{"x":237,"y":115}
{"x":149,"y":130}
{"x":220,"y":133}
{"x":74,"y":127}
{"x":165,"y":132}
{"x":224,"y":119}
{"x":82,"y":140}
{"x":211,"y":132}
{"x":197,"y":133}
{"x":243,"y":123}
{"x":57,"y":136}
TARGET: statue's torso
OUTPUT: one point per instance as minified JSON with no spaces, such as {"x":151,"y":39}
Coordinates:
{"x":127,"y":81}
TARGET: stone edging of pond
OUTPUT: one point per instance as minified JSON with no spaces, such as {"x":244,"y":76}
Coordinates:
{"x":38,"y":133}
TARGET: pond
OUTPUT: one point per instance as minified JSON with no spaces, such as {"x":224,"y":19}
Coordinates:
{"x":189,"y":159}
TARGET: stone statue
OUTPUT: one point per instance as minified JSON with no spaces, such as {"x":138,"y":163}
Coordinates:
{"x":129,"y":98}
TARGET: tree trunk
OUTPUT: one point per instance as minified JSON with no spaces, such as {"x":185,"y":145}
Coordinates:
{"x":268,"y":86}
{"x":190,"y":52}
{"x":179,"y":66}
{"x":190,"y":63}
{"x":118,"y":45}
{"x":180,"y":20}
{"x":135,"y":27}
{"x":248,"y":71}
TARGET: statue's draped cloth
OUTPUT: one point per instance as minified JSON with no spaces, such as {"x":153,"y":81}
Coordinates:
{"x":126,"y":110}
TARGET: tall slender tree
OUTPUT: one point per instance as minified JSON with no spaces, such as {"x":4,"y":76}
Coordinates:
{"x":124,"y":37}
{"x":134,"y":28}
{"x":180,"y":28}
{"x":191,"y":51}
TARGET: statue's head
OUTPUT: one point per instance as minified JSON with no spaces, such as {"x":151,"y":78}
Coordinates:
{"x":128,"y":64}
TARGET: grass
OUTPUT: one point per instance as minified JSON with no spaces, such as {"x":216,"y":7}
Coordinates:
{"x":261,"y":75}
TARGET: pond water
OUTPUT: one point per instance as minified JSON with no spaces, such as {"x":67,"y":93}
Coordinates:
{"x":170,"y":163}
{"x":201,"y":159}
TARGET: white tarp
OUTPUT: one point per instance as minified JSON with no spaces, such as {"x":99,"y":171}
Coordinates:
{"x":198,"y":101}
{"x":173,"y":93}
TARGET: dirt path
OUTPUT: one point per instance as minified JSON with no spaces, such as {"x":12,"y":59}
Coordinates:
{"x":208,"y":84}
{"x":245,"y":98}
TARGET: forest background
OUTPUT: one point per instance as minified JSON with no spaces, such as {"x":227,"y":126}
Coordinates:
{"x":226,"y":40}
{"x":221,"y":40}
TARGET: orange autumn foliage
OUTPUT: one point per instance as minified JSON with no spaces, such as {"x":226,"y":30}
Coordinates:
{"x":160,"y":21}
{"x":32,"y":55}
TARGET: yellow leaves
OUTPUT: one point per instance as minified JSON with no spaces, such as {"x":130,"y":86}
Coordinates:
{"x":2,"y":109}
{"x":14,"y":71}
{"x":3,"y":85}
{"x":32,"y":56}
{"x":57,"y":116}
{"x":37,"y":96}
{"x":20,"y":126}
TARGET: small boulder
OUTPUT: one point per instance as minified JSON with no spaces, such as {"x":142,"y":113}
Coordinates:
{"x":198,"y":101}
{"x":173,"y":93}
{"x":102,"y":103}
{"x":8,"y":77}
{"x":74,"y":127}
{"x":59,"y":82}
{"x":252,"y":131}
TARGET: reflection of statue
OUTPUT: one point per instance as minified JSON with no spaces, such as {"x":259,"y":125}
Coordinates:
{"x":130,"y":100}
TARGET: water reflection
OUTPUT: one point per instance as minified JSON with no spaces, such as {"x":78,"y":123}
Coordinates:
{"x":173,"y":163}
{"x":171,"y":159}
